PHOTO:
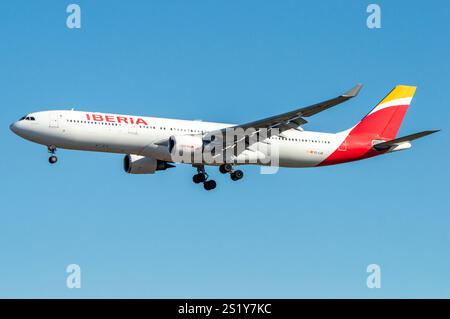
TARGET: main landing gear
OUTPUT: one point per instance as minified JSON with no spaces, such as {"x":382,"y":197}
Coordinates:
{"x":209,"y":184}
{"x":52,"y":159}
{"x":235,"y":175}
{"x":202,"y":177}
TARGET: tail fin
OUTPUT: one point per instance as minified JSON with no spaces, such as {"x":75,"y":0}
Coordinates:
{"x":385,"y":119}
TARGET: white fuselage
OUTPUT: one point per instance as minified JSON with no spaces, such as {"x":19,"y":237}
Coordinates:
{"x":140,"y":135}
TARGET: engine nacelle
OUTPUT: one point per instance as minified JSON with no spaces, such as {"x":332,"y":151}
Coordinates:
{"x":182,"y":148}
{"x":137,"y":164}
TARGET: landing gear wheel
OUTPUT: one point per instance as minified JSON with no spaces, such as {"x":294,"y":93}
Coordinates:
{"x":52,"y":159}
{"x":237,"y":175}
{"x":225,"y":168}
{"x":199,"y":178}
{"x":209,"y":185}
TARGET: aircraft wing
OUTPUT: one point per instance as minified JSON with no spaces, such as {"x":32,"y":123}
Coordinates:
{"x":288,"y":120}
{"x":388,"y":144}
{"x":294,"y":118}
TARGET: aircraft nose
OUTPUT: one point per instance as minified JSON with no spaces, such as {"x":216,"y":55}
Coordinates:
{"x":13,"y":127}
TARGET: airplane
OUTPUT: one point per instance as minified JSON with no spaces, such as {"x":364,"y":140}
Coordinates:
{"x":153,"y":144}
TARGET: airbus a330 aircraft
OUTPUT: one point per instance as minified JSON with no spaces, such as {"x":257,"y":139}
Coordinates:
{"x":153,"y":144}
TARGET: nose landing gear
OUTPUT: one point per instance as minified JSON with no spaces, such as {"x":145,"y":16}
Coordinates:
{"x":52,"y":159}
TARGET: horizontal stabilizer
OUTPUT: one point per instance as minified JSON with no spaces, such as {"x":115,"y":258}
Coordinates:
{"x":386,"y":145}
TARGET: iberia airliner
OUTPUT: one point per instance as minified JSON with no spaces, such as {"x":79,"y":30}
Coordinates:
{"x":152,"y":144}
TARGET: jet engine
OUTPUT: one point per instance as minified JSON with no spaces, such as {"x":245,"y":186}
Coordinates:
{"x":136,"y":164}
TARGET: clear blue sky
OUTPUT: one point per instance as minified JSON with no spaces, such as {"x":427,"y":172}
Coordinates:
{"x":298,"y":233}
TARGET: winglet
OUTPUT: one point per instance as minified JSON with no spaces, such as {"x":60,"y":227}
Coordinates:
{"x":354,"y":91}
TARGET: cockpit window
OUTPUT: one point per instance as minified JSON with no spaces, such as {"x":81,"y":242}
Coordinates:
{"x":27,"y":118}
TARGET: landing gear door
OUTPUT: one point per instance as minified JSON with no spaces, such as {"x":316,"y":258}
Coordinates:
{"x":53,"y":121}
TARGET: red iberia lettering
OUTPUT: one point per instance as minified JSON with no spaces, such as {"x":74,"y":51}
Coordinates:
{"x":97,"y":117}
{"x":121,"y":119}
{"x":115,"y":119}
{"x":141,"y":121}
{"x":109,"y":118}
